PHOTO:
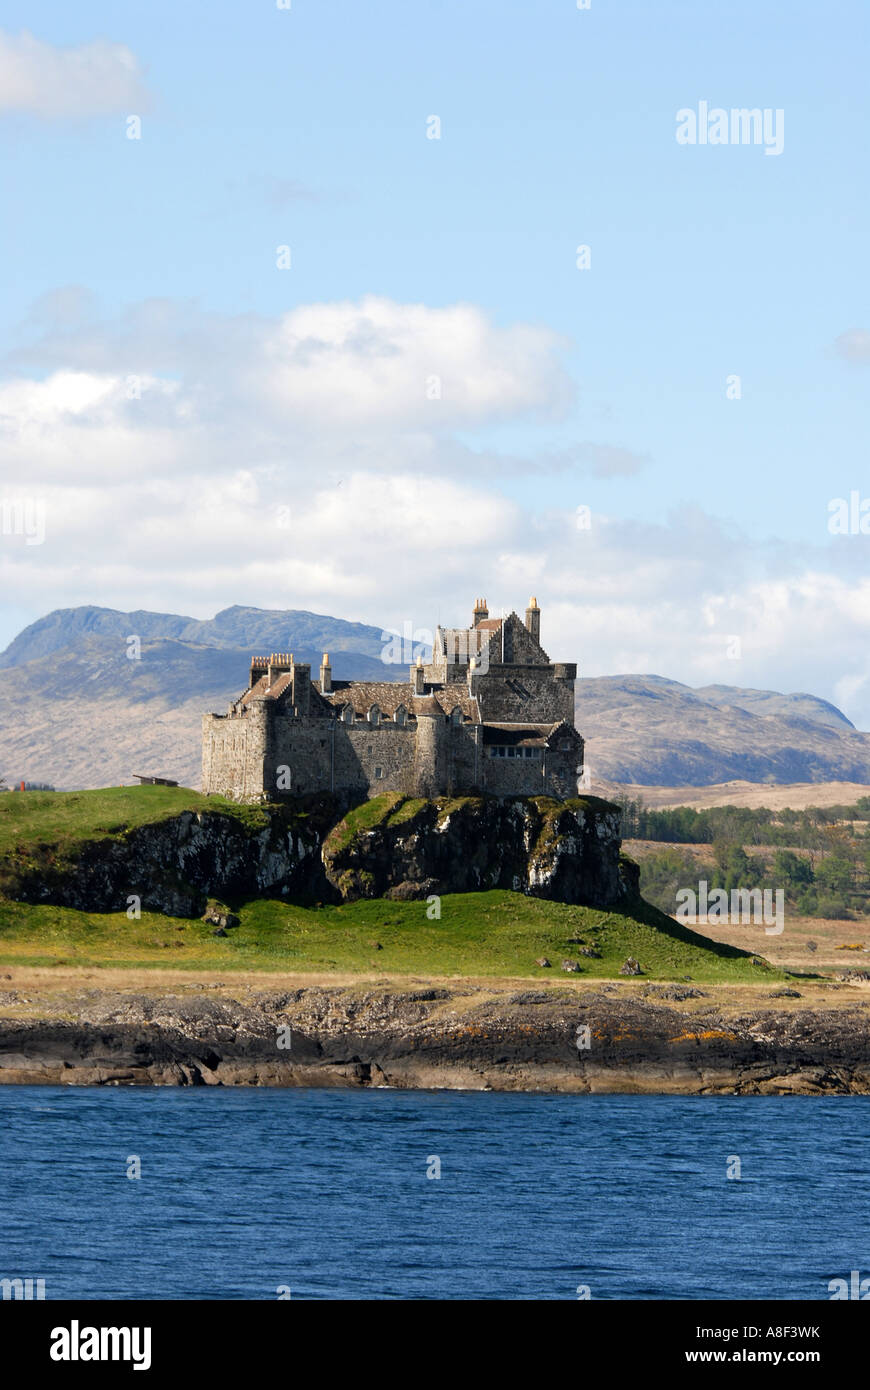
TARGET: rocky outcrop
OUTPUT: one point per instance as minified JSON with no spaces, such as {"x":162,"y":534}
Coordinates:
{"x":463,"y":1037}
{"x":312,"y":850}
{"x":566,"y":851}
{"x":177,"y":864}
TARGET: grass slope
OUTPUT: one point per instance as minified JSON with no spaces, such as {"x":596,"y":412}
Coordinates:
{"x":493,"y":933}
{"x":496,"y":933}
{"x":64,"y":818}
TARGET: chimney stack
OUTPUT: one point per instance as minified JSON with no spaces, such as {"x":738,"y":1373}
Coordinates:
{"x":533,"y":619}
{"x":259,"y":667}
{"x":480,"y":612}
{"x":325,"y":675}
{"x":279,"y":662}
{"x":417,"y":674}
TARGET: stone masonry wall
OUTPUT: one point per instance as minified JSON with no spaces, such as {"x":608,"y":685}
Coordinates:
{"x":502,"y":701}
{"x":264,"y":753}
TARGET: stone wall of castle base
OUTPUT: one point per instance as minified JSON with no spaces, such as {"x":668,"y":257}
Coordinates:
{"x":264,"y":754}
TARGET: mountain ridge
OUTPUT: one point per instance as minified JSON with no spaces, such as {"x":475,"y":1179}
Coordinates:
{"x":75,"y":712}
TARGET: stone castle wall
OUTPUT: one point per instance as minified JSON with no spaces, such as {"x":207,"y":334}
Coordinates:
{"x":266,"y":752}
{"x":511,"y":694}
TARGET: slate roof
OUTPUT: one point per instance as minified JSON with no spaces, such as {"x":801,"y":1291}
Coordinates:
{"x":388,"y":695}
{"x":466,"y":641}
{"x":526,"y":735}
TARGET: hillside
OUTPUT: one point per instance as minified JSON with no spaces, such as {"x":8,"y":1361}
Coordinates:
{"x":75,"y":712}
{"x":657,"y":732}
{"x":70,"y":861}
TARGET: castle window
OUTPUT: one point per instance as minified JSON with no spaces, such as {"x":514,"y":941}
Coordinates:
{"x":401,"y":716}
{"x":379,"y":772}
{"x":374,"y":716}
{"x":347,"y":714}
{"x":456,"y":715}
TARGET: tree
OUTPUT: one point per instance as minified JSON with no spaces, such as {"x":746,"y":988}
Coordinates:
{"x":792,"y":869}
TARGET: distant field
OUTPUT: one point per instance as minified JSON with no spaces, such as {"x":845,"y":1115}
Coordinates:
{"x":487,"y":934}
{"x":796,"y":796}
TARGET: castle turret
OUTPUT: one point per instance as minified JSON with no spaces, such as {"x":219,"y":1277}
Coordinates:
{"x":481,"y":612}
{"x":533,"y":619}
{"x":325,"y":675}
{"x":430,"y":750}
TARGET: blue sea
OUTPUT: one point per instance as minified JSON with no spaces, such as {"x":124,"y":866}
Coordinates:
{"x":334,"y":1194}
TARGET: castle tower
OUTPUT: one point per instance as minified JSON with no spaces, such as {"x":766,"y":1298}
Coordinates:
{"x":533,"y":619}
{"x":430,"y":752}
{"x":325,"y":675}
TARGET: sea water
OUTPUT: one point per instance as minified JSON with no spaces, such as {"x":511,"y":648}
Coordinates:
{"x":381,"y":1194}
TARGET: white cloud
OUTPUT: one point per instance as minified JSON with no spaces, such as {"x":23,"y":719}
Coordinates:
{"x":854,"y":345}
{"x":92,"y":79}
{"x":298,"y":463}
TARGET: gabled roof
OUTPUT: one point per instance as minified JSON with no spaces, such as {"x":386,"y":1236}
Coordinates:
{"x":463,"y":642}
{"x":508,"y":636}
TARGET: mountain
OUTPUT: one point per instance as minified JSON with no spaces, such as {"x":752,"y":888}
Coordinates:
{"x":649,"y":730}
{"x":259,"y":631}
{"x":73,"y":704}
{"x":74,"y":711}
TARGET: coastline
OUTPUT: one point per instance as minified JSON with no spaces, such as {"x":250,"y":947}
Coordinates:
{"x":506,"y":1035}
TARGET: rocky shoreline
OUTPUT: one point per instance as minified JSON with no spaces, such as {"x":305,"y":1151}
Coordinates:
{"x":667,"y":1039}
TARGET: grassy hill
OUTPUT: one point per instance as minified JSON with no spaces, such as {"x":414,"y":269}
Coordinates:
{"x":62,"y":818}
{"x":491,"y":933}
{"x":497,"y":933}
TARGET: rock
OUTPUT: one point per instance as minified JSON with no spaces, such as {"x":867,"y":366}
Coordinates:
{"x":376,"y":945}
{"x":630,"y":967}
{"x":785,"y":994}
{"x":590,"y":951}
{"x":219,"y":916}
{"x":320,"y":851}
{"x":220,"y":932}
{"x":676,"y":992}
{"x":571,"y":966}
{"x":564,"y":851}
{"x":543,"y":962}
{"x":409,"y":891}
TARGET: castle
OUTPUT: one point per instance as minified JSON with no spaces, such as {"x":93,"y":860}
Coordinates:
{"x":489,"y":713}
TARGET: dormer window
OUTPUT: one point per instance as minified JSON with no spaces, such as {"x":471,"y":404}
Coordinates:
{"x":347,"y":714}
{"x":456,"y":715}
{"x":401,"y":716}
{"x":374,"y":716}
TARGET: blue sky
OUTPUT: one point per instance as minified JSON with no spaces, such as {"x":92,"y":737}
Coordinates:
{"x":307,"y":127}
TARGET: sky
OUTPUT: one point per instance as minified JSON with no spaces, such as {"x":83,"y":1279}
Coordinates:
{"x":294,"y":316}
